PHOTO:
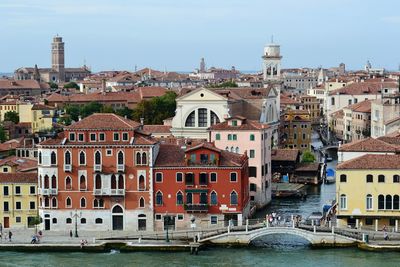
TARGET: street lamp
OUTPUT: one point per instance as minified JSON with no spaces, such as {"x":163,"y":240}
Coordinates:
{"x":76,"y":216}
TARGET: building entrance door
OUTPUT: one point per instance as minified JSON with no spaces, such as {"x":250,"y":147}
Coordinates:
{"x":118,"y":222}
{"x":6,"y":222}
{"x":142,"y":224}
{"x":46,"y":224}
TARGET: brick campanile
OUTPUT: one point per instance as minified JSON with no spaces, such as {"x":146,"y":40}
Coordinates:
{"x":57,"y":57}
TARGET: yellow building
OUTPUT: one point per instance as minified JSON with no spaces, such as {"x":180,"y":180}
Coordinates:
{"x":7,"y":106}
{"x":367,"y":191}
{"x":18,"y":199}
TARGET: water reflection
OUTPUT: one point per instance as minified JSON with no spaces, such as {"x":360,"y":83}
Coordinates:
{"x":280,"y":241}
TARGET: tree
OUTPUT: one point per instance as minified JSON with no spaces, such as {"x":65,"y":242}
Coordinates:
{"x":89,"y":109}
{"x":66,"y":120}
{"x":307,"y":157}
{"x":73,"y":111}
{"x":125,"y":112}
{"x":223,"y":84}
{"x":35,"y":221}
{"x":71,"y":85}
{"x":106,"y":109}
{"x":11,"y":116}
{"x":53,"y":85}
{"x":3,"y":135}
{"x":156,"y":110}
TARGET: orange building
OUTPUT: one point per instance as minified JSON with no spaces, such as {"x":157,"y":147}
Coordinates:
{"x":200,"y":184}
{"x":98,"y":172}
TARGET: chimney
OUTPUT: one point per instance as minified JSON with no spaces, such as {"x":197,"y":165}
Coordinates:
{"x":79,"y":118}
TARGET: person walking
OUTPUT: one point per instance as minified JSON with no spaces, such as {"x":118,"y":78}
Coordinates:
{"x":70,"y":233}
{"x":10,"y":235}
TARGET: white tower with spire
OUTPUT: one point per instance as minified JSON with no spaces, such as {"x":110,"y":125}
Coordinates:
{"x":272,"y":61}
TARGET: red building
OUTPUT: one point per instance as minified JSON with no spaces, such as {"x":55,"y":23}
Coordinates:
{"x":98,"y":171}
{"x":202,"y":183}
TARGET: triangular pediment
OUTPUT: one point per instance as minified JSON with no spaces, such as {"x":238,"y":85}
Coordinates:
{"x":201,"y":94}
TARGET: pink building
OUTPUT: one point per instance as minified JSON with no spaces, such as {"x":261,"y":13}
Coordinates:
{"x":238,"y":134}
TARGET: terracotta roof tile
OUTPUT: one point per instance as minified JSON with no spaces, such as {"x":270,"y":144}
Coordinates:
{"x":285,"y":154}
{"x":98,"y":121}
{"x":371,"y":161}
{"x":157,"y":129}
{"x":21,"y":164}
{"x":363,"y":106}
{"x":362,"y":88}
{"x":22,"y":177}
{"x":246,"y":125}
{"x":369,"y":145}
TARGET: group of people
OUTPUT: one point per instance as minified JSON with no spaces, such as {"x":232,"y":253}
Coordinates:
{"x":273,"y":218}
{"x":9,"y":236}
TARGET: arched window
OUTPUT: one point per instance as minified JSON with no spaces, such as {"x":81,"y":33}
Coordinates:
{"x":98,"y":221}
{"x":54,"y":202}
{"x":396,"y":178}
{"x":144,"y":158}
{"x":97,"y":158}
{"x":83,"y":202}
{"x":213,"y":118}
{"x":82,"y":182}
{"x":113,"y":182}
{"x":82,"y":158}
{"x":237,"y":150}
{"x":68,"y":221}
{"x":189,"y":198}
{"x":252,"y":137}
{"x":83,"y":220}
{"x":68,"y":183}
{"x":388,"y":202}
{"x":138,"y":158}
{"x":46,"y":181}
{"x":381,"y":202}
{"x":343,"y":202}
{"x":227,"y":148}
{"x":40,"y":157}
{"x":53,"y":181}
{"x":67,"y":158}
{"x":120,"y":182}
{"x":396,"y":202}
{"x":142,"y":185}
{"x":54,"y":220}
{"x":141,"y":202}
{"x":234,"y":198}
{"x":232,"y":149}
{"x":213,"y":198}
{"x":159,"y":198}
{"x":381,"y":178}
{"x":190,"y":120}
{"x":97,"y":183}
{"x":370,"y":178}
{"x":68,"y":202}
{"x":343,"y":178}
{"x":96,"y":203}
{"x":46,"y":202}
{"x":369,"y":202}
{"x":101,"y":203}
{"x":179,"y":198}
{"x":53,"y":158}
{"x":120,"y":157}
{"x":229,"y":137}
{"x":117,"y":209}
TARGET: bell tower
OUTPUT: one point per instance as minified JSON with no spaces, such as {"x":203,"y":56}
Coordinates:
{"x":272,"y":62}
{"x":57,"y":57}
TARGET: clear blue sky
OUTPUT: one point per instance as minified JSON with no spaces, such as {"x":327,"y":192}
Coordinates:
{"x":175,"y":34}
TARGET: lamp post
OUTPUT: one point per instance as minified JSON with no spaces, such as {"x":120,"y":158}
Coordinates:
{"x":76,"y":216}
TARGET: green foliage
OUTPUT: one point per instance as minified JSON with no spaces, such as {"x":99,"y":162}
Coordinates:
{"x":11,"y":116}
{"x":53,"y":85}
{"x":125,"y":112}
{"x":73,"y":111}
{"x":157,"y":109}
{"x":223,"y":85}
{"x":66,"y":120}
{"x":35,"y":221}
{"x":71,"y":85}
{"x":308,"y":157}
{"x":3,"y":135}
{"x":107,"y":109}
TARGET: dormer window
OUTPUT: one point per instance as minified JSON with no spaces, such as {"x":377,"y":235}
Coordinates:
{"x":71,"y":136}
{"x":234,"y":123}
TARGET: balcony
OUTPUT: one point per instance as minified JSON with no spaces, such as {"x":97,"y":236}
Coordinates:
{"x":48,"y":191}
{"x":97,"y":167}
{"x":117,"y":192}
{"x":196,"y":207}
{"x":120,"y":168}
{"x":67,"y":167}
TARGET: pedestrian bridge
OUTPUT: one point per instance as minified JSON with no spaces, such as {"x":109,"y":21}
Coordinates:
{"x":314,"y":237}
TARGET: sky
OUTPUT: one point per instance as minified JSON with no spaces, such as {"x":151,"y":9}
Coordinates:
{"x":173,"y":35}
